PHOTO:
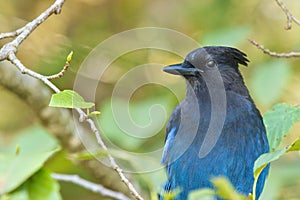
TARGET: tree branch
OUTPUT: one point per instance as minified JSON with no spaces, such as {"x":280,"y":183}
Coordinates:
{"x":274,"y":54}
{"x":289,"y":16}
{"x":24,"y":70}
{"x":61,"y":73}
{"x":13,"y":59}
{"x":8,"y":52}
{"x":25,"y":31}
{"x":97,"y":188}
{"x":59,"y":122}
{"x":11,"y":34}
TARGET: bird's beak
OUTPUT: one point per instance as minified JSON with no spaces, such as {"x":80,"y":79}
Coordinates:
{"x":181,"y":69}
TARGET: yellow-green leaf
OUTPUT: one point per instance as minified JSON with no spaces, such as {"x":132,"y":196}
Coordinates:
{"x":69,"y":57}
{"x":266,"y":158}
{"x":94,"y":113}
{"x":295,"y":146}
{"x":170,"y":195}
{"x":69,"y":99}
{"x":226,"y":190}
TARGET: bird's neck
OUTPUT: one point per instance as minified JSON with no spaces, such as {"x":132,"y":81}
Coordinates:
{"x":197,"y":91}
{"x":195,"y":86}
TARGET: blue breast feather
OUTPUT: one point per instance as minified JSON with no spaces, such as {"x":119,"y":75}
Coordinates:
{"x":242,"y":141}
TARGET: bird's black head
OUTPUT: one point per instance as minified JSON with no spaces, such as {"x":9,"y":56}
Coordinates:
{"x":204,"y":59}
{"x":203,"y":63}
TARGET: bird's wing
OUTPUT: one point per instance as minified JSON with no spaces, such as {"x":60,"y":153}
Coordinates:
{"x":171,"y":131}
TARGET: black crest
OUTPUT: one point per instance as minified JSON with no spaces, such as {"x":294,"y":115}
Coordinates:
{"x":227,"y":55}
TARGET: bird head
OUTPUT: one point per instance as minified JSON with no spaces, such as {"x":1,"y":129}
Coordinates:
{"x":205,"y":64}
{"x":214,"y":67}
{"x":204,"y":59}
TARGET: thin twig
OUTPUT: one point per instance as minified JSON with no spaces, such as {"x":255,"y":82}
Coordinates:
{"x":8,"y":52}
{"x":97,"y":188}
{"x":24,"y":70}
{"x":12,"y":57}
{"x":11,"y":34}
{"x":58,"y":120}
{"x":61,"y":73}
{"x":289,"y":16}
{"x":112,"y":161}
{"x":274,"y":54}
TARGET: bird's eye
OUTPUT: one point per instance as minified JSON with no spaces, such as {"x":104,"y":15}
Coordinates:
{"x":211,"y":64}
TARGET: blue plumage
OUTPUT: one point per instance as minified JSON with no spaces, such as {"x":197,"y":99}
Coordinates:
{"x":219,"y":110}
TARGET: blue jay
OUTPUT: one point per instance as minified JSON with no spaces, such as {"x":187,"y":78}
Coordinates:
{"x":217,"y":129}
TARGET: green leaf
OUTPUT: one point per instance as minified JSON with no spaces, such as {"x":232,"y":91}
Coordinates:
{"x":279,"y":121}
{"x":202,"y":194}
{"x":262,"y":162}
{"x":39,"y":186}
{"x":268,"y":81}
{"x":43,"y":186}
{"x":226,"y":190}
{"x":266,"y":158}
{"x":36,"y":146}
{"x":69,"y":99}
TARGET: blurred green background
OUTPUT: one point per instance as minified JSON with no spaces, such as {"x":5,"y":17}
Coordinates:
{"x":83,"y":24}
